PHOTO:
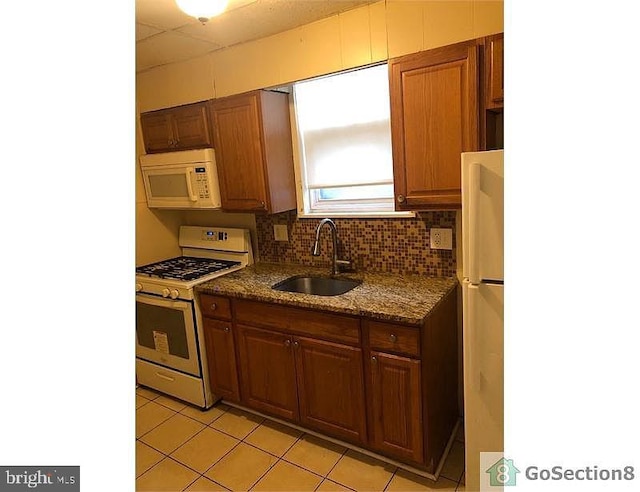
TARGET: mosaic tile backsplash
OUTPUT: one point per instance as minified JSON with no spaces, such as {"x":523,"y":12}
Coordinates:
{"x":399,"y":246}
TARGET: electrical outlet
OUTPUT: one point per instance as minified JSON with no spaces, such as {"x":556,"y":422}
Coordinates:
{"x":440,"y":238}
{"x":280,"y":232}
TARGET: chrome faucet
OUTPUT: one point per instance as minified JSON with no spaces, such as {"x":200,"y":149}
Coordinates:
{"x":315,"y":251}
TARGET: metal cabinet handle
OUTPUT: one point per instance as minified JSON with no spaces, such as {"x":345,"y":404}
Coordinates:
{"x":226,"y":329}
{"x":263,"y":205}
{"x":287,"y":342}
{"x":213,"y":306}
{"x":401,"y":198}
{"x":296,"y":344}
{"x":374,"y":358}
{"x":393,"y":338}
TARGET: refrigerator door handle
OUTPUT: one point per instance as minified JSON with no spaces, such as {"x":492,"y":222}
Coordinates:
{"x":472,"y":338}
{"x":474,"y":219}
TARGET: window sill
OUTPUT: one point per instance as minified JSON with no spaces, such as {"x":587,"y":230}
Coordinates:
{"x":356,"y":215}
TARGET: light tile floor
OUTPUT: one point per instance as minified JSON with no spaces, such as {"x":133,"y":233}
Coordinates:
{"x":180,"y":447}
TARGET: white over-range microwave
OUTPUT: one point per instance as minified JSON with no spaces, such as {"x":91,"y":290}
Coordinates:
{"x":183,"y":180}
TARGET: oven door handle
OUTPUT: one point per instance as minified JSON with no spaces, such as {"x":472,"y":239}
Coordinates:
{"x":162,"y":301}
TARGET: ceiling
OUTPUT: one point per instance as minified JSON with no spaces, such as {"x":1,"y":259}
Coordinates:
{"x":164,"y":34}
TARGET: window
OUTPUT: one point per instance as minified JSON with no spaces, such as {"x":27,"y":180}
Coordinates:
{"x":344,"y":138}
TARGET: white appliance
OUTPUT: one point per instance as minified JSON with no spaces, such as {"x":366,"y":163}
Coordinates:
{"x":483,"y":307}
{"x":181,"y":180}
{"x":170,"y":348}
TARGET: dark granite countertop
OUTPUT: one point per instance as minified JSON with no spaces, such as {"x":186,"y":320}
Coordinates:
{"x":398,"y":298}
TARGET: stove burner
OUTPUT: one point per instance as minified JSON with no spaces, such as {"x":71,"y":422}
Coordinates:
{"x":185,"y":268}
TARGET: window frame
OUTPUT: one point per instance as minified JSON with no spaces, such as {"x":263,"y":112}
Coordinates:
{"x":304,"y":194}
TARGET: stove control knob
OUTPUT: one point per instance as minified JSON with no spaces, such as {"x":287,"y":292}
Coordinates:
{"x":138,"y":287}
{"x":165,"y":292}
{"x":174,"y":293}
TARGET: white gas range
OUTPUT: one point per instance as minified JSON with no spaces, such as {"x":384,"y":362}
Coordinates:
{"x":170,"y":348}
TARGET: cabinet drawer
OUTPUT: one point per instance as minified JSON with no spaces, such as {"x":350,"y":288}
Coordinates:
{"x":215,"y":306}
{"x":394,"y":338}
{"x":333,"y":327}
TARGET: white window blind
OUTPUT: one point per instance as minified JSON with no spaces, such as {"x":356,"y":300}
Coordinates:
{"x":343,"y":121}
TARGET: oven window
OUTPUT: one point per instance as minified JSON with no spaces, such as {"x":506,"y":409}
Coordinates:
{"x":168,"y":185}
{"x":162,"y":329}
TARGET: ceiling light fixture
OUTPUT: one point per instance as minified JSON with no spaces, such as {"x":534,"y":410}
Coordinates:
{"x":202,"y":10}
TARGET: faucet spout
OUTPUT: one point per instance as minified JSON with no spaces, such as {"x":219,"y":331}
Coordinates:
{"x":315,"y":251}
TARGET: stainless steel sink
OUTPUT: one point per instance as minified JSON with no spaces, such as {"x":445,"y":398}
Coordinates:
{"x":319,"y":286}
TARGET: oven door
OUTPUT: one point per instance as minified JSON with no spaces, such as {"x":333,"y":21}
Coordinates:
{"x":166,"y":333}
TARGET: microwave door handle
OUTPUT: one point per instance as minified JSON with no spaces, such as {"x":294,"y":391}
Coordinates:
{"x":192,"y":197}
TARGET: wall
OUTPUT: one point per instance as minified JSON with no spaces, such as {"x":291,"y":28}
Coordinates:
{"x":354,"y":38}
{"x":382,"y":245}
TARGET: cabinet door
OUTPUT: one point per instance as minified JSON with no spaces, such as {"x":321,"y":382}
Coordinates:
{"x":191,"y":127}
{"x":397,"y":409}
{"x":221,"y":359}
{"x":331,"y":388}
{"x":267,"y":372}
{"x":434,"y":117}
{"x":157,"y":131}
{"x":239,"y":152}
{"x":494,"y":69}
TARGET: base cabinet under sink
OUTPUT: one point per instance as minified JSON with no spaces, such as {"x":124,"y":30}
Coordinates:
{"x":331,"y":388}
{"x":311,"y":382}
{"x":267,"y":372}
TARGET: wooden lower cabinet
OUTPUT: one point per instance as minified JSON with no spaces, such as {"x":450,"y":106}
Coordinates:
{"x":221,"y":359}
{"x":267,"y":372}
{"x":331,"y":388}
{"x":386,"y":387}
{"x":396,"y":428}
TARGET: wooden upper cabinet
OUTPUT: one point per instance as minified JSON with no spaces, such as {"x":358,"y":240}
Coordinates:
{"x":434,"y":117}
{"x":180,"y":128}
{"x":157,"y":131}
{"x":331,"y":388}
{"x":494,"y":71}
{"x":252,"y":137}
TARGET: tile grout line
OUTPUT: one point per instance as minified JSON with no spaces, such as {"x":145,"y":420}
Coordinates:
{"x":243,"y":440}
{"x":390,"y":479}
{"x":183,"y":415}
{"x":205,"y":426}
{"x":157,"y":425}
{"x":219,"y":460}
{"x":336,"y":464}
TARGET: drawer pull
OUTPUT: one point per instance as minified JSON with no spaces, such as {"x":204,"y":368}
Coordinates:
{"x":393,"y":338}
{"x":226,"y":329}
{"x":213,"y":306}
{"x":374,"y":358}
{"x":287,"y":342}
{"x":165,"y":377}
{"x":296,"y":344}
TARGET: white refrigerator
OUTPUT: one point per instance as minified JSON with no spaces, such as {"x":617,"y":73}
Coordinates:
{"x":482,"y":307}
